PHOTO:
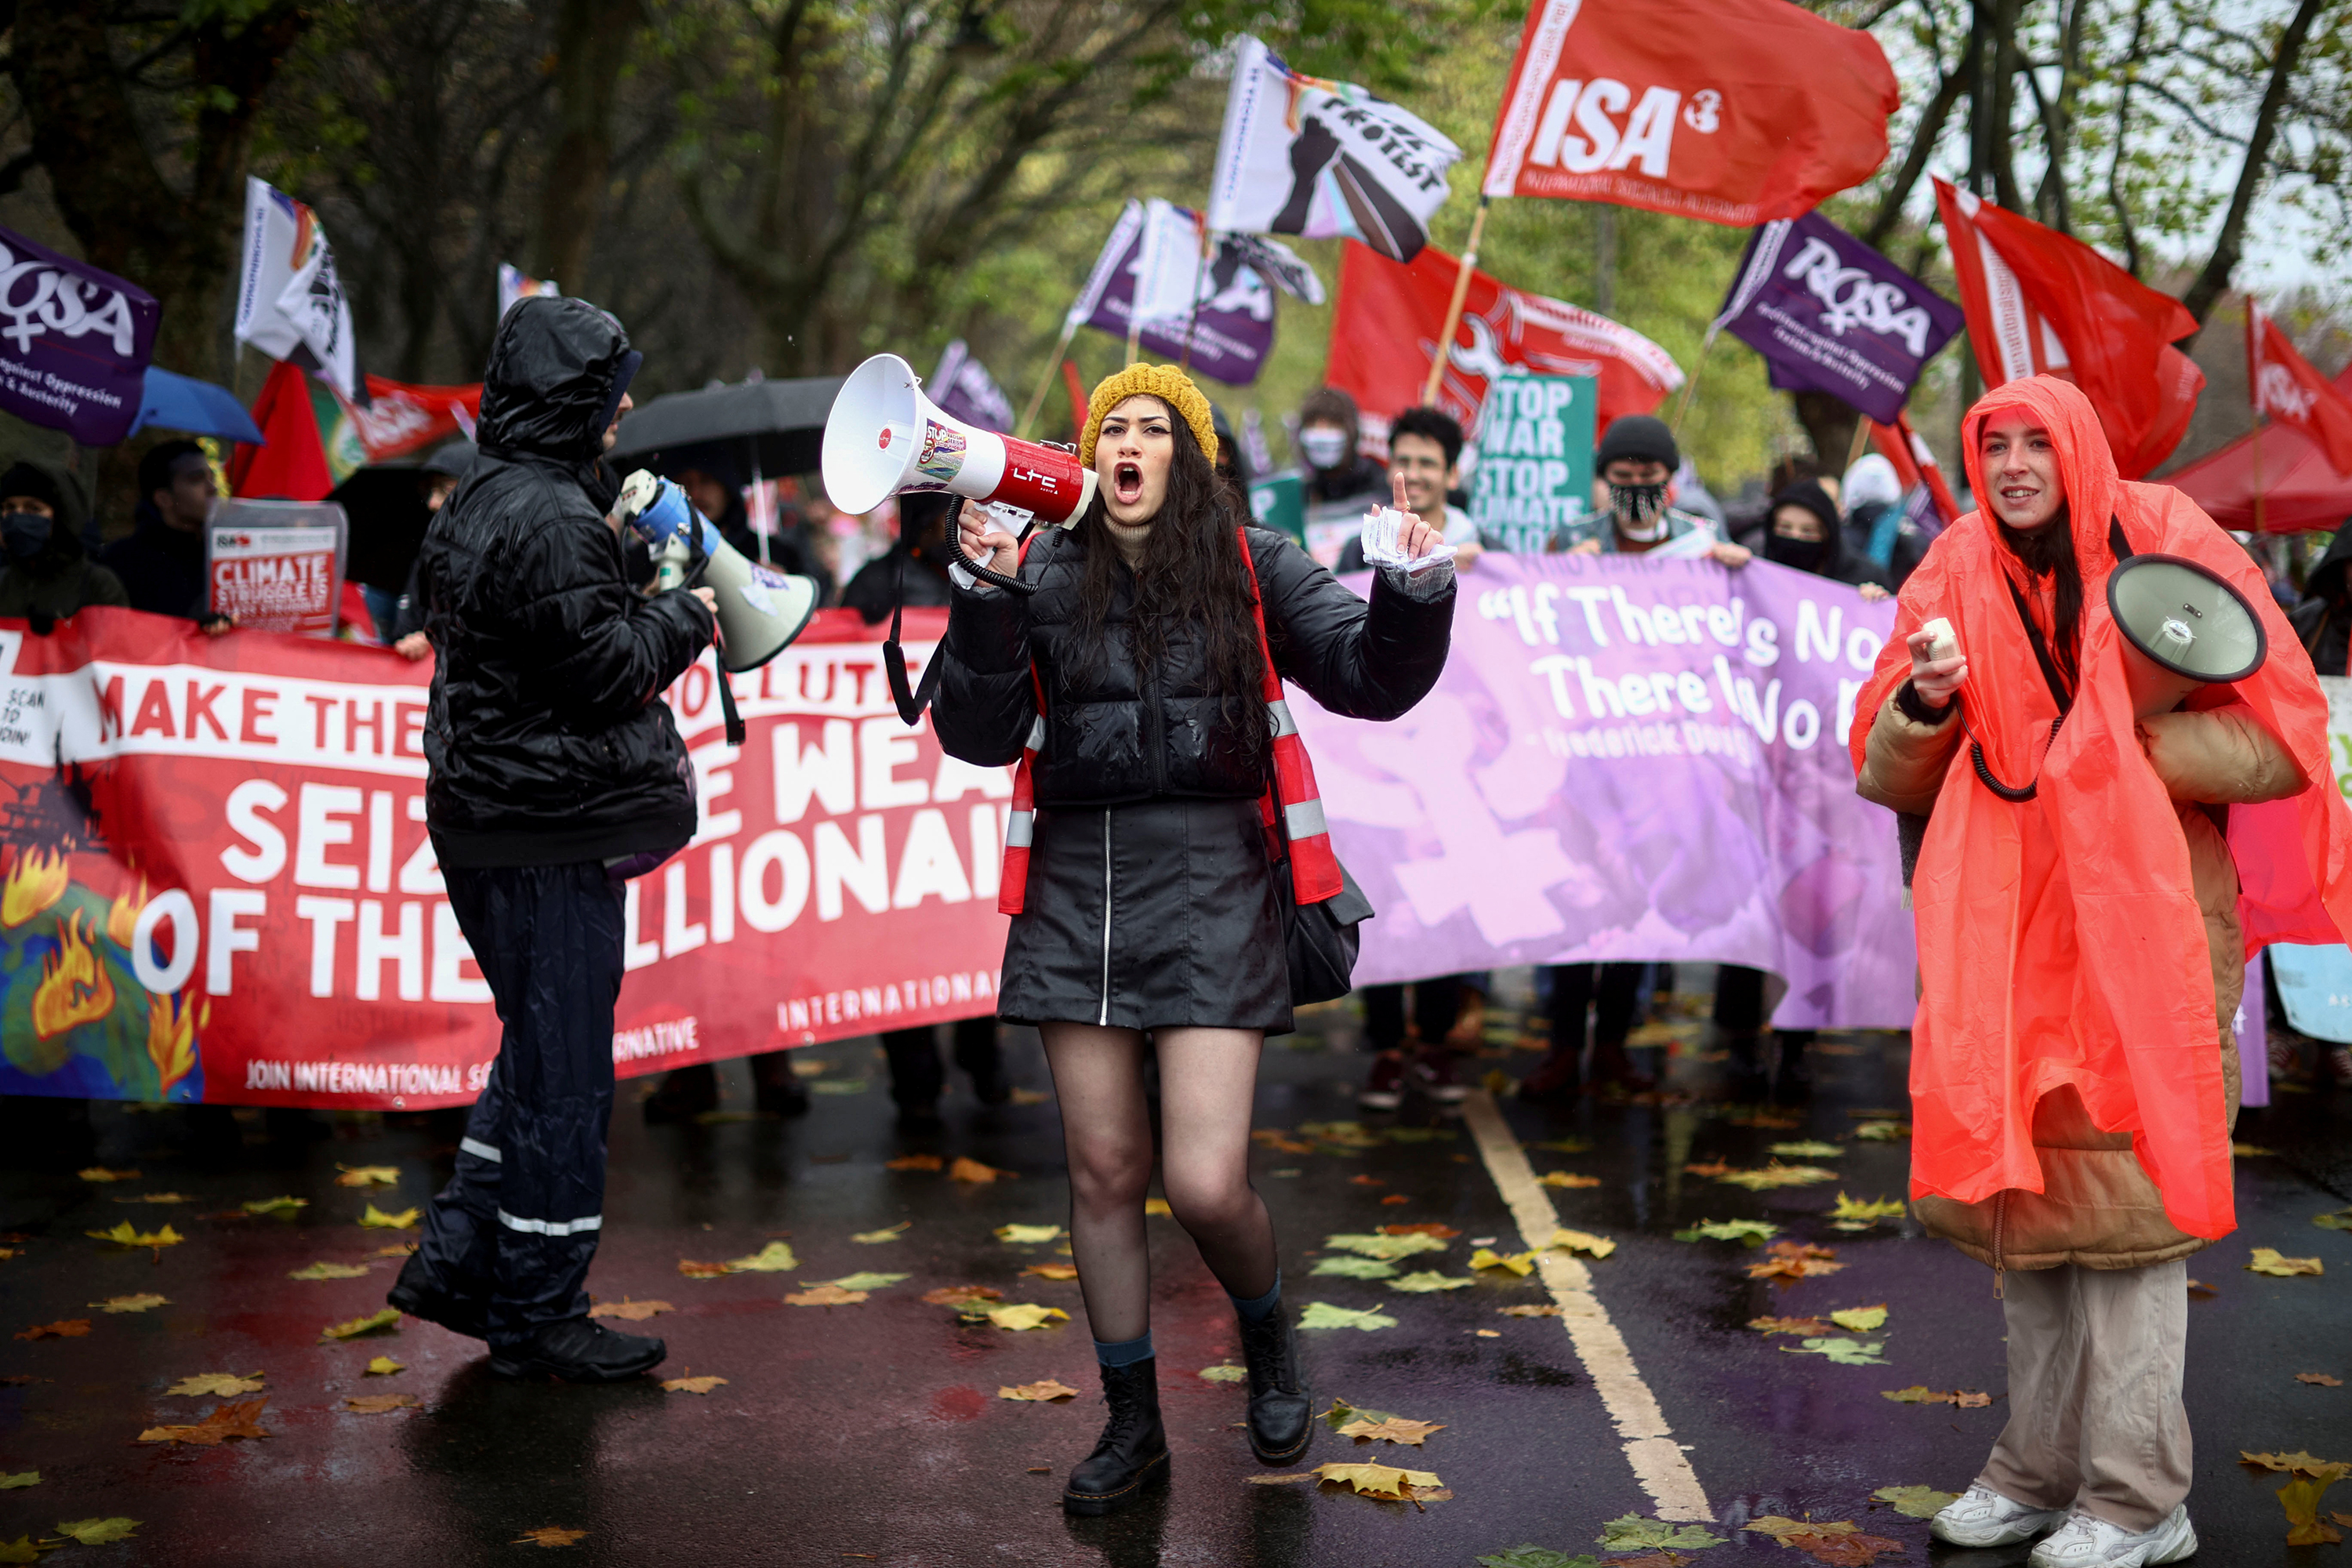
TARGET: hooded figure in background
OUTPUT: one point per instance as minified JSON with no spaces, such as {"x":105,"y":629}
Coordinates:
{"x":1877,"y":529}
{"x":2074,"y":1074}
{"x":554,"y":773}
{"x":2323,"y":622}
{"x":45,"y":573}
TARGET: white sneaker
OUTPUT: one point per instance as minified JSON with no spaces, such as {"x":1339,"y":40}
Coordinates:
{"x":1984,"y":1518}
{"x":2086,"y":1542}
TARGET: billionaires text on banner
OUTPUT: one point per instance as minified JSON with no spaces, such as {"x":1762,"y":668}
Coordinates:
{"x":1629,"y":759}
{"x":218,"y":883}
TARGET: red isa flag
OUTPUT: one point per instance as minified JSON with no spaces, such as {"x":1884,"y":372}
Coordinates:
{"x":1737,"y":111}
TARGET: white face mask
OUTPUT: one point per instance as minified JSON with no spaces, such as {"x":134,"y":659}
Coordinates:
{"x":1325,"y":447}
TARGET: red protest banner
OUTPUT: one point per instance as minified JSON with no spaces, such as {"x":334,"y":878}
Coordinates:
{"x":1737,"y":111}
{"x":2290,"y":389}
{"x":216,"y":882}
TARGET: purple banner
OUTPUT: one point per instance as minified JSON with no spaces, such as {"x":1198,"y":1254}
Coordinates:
{"x":1830,"y":314}
{"x":1629,"y":759}
{"x":74,"y":342}
{"x":1233,"y":329}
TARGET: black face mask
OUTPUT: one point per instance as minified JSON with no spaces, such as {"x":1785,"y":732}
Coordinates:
{"x":1804,"y":554}
{"x":1638,"y":509}
{"x":23,"y":533}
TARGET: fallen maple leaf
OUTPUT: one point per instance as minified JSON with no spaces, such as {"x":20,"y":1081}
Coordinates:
{"x":865,"y":1282}
{"x":1158,"y":1207}
{"x":1388,"y":1244}
{"x":1520,"y":1263}
{"x":158,"y":1198}
{"x":915,"y":1163}
{"x":1860,"y":1320}
{"x":397,"y":1249}
{"x":970,"y":1169}
{"x":888,"y":1233}
{"x":223,"y":1422}
{"x":1566,"y":1179}
{"x":217,"y":1385}
{"x":825,"y":1296}
{"x":367,"y":1175}
{"x":1428,"y":1228}
{"x":1808,"y":1149}
{"x":1225,"y":1373}
{"x":702,"y":1385}
{"x":1546,"y":1310}
{"x":1489,"y":1334}
{"x":1391,"y":1429}
{"x":384,"y":1366}
{"x":1919,"y":1394}
{"x":967,"y":1295}
{"x":1798,"y":1326}
{"x":124,"y":1235}
{"x":694,"y":1270}
{"x":329,"y":1271}
{"x":1708,"y":1168}
{"x":376,"y":1219}
{"x":99,"y":1532}
{"x":2300,"y":1498}
{"x":20,"y":1549}
{"x":1842,"y":1350}
{"x":1053,"y":1271}
{"x":2266,"y":1260}
{"x":1582,"y":1241}
{"x":1795,"y":1260}
{"x":2299,"y":1463}
{"x":131,"y":1303}
{"x":548,"y":1535}
{"x":1428,"y":1279}
{"x":2250,"y":1152}
{"x":776,"y":1257}
{"x":1859,"y":1213}
{"x":384,"y":1321}
{"x":100,"y":1174}
{"x":1027,"y":1234}
{"x":1282,"y":1143}
{"x":63,"y":1328}
{"x":2335,"y":1219}
{"x":1366,"y":1181}
{"x":1917,"y":1502}
{"x":1377,"y":1480}
{"x":1352,"y":1267}
{"x":1633,"y":1533}
{"x":1776,"y":1175}
{"x":274,"y":1205}
{"x":1023,"y":1315}
{"x":1396,"y":1198}
{"x":1324,"y":1315}
{"x":1842,"y":1550}
{"x":1037,"y":1393}
{"x":1884,"y":1132}
{"x":377,"y":1403}
{"x":21,"y":1479}
{"x":2319,"y":1378}
{"x":1779,"y":1527}
{"x":1753,"y":1232}
{"x":629,"y":1312}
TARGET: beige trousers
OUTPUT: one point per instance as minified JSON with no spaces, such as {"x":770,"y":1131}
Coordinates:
{"x":2095,"y":1420}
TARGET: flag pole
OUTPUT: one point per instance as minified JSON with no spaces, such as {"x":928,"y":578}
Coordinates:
{"x":2255,"y":396}
{"x":2258,"y":475}
{"x":1690,"y":387}
{"x":1046,"y":379}
{"x":1194,"y":315}
{"x":1134,"y":333}
{"x":1461,"y":293}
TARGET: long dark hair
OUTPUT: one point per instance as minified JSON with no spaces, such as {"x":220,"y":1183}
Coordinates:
{"x":1191,"y":577}
{"x":2047,"y":551}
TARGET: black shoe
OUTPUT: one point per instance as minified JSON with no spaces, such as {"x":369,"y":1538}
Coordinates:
{"x":579,"y":1350}
{"x":1557,"y":1079}
{"x":1281,"y":1412}
{"x":416,"y":1293}
{"x":1132,"y":1457}
{"x":685,"y":1093}
{"x":990,"y":1087}
{"x":1794,"y":1081}
{"x":775,"y":1089}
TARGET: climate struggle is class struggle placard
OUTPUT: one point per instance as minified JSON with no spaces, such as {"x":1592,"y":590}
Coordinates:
{"x":216,"y":882}
{"x":276,"y":567}
{"x":1534,"y":473}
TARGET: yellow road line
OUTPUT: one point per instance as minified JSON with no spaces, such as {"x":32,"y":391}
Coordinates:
{"x":1658,"y":1462}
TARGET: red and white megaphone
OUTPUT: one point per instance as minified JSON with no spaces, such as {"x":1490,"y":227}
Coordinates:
{"x":883,"y":437}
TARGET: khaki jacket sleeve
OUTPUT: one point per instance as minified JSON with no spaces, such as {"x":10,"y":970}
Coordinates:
{"x":2222,"y":757}
{"x":1904,"y":761}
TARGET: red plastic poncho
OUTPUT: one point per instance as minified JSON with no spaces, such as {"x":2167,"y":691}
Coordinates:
{"x":2059,"y":939}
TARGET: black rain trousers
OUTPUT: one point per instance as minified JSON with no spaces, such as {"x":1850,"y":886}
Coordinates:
{"x":517,"y":1225}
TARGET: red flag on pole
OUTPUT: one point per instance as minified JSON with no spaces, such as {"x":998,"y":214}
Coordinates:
{"x":1384,"y":333}
{"x":293,"y":466}
{"x":2041,"y":304}
{"x":2284,"y":385}
{"x":1736,"y":111}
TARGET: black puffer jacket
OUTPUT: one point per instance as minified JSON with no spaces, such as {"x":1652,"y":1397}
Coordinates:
{"x":546,"y":739}
{"x":1114,"y":735}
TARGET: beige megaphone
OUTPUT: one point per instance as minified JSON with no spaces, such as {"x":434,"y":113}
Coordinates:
{"x":2182,"y":627}
{"x":883,"y":437}
{"x":759,"y":611}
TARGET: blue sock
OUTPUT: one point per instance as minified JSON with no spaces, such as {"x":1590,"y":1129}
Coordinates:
{"x":1257,"y":1307}
{"x":1123,"y":1352}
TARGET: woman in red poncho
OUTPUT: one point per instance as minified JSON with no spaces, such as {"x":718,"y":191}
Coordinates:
{"x":2082,"y":937}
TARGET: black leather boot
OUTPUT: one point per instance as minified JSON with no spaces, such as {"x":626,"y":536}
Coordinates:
{"x":1133,"y":1456}
{"x":1281,"y":1412}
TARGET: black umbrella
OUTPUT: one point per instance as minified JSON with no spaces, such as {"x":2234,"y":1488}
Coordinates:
{"x":779,"y":423}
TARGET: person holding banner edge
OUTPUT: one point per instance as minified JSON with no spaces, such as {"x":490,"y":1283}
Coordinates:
{"x":554,"y":775}
{"x":1144,"y":892}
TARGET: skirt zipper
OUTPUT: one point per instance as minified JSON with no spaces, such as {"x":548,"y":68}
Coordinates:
{"x":1104,"y":1018}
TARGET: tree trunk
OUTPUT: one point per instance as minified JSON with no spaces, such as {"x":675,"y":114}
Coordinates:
{"x":2212,"y":282}
{"x":592,"y":41}
{"x":1829,"y":423}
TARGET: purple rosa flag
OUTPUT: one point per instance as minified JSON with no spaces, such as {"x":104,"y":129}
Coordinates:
{"x":1233,"y":331}
{"x":1629,"y":759}
{"x":1830,"y":314}
{"x":74,"y":342}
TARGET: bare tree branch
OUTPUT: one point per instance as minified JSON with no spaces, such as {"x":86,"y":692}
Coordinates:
{"x":2228,"y":245}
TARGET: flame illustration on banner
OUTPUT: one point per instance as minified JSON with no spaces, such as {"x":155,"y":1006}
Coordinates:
{"x":123,"y":914}
{"x":74,"y":987}
{"x":37,"y":880}
{"x":171,"y":1026}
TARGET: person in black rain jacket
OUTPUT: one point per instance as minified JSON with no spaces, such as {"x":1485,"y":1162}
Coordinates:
{"x":1149,"y":902}
{"x":554,"y":773}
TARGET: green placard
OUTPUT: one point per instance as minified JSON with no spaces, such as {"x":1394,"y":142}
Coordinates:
{"x":1534,"y":478}
{"x":1279,"y":501}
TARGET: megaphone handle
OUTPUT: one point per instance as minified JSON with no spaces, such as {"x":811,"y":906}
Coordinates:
{"x":985,"y":574}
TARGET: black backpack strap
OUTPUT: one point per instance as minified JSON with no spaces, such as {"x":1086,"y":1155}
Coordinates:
{"x":2058,"y":689}
{"x":2116,"y":542}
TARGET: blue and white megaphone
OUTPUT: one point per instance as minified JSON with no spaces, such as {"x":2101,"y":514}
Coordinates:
{"x":761,"y":611}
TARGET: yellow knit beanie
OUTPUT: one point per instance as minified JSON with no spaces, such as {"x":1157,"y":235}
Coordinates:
{"x":1164,"y":382}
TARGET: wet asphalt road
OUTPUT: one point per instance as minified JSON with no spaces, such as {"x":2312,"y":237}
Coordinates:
{"x":873,"y":1432}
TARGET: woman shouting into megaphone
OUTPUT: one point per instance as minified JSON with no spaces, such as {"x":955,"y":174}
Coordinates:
{"x":1161,"y":786}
